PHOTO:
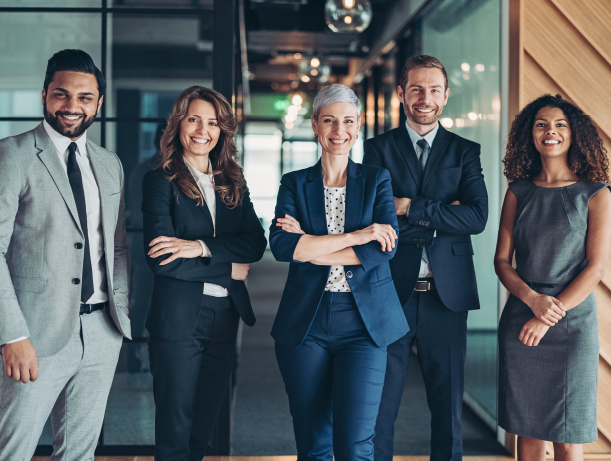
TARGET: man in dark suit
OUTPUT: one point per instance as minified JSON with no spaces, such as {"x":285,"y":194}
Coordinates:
{"x":441,"y":200}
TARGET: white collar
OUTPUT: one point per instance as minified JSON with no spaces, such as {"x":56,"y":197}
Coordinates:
{"x":429,"y":137}
{"x":198,"y":175}
{"x":62,"y":142}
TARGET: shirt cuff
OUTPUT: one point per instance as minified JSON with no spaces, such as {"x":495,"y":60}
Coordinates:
{"x":18,"y":339}
{"x":407,"y":212}
{"x":205,"y":250}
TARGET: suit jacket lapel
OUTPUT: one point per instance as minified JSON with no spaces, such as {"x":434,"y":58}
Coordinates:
{"x":204,"y":209}
{"x":437,"y":149}
{"x":104,"y":177}
{"x":48,"y":156}
{"x":220,"y":210}
{"x":355,"y":190}
{"x":405,"y":146}
{"x":315,"y":199}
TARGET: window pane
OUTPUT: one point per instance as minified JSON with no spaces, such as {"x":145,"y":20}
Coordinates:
{"x":204,"y":4}
{"x":467,"y":43}
{"x":15,"y":128}
{"x":55,"y":3}
{"x":156,"y":55}
{"x":27,"y":41}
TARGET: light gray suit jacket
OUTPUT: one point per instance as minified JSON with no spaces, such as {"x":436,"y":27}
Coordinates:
{"x":39,"y":226}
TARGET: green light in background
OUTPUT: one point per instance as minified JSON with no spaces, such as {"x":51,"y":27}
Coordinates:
{"x":281,"y":104}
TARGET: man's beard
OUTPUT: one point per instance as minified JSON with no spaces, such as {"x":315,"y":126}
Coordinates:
{"x":70,"y":132}
{"x":423,"y":119}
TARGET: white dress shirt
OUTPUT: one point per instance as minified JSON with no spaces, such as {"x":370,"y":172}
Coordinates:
{"x":94,"y":208}
{"x":205,"y":184}
{"x":335,"y":210}
{"x":425,"y":269}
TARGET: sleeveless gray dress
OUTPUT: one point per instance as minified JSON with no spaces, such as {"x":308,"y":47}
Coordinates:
{"x":548,"y":392}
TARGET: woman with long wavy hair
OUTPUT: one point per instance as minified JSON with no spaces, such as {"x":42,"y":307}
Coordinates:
{"x":201,"y":233}
{"x":556,"y":218}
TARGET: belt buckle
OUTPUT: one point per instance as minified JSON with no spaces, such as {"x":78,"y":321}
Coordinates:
{"x":428,"y":285}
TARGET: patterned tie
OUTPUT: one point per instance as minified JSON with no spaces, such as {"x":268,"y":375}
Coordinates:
{"x":76,"y":183}
{"x":426,"y":150}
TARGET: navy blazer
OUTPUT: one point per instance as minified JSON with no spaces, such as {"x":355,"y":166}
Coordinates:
{"x":369,"y":200}
{"x":453,"y":172}
{"x":179,"y":285}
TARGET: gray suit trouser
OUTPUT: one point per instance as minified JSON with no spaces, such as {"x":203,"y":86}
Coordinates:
{"x":72,"y":387}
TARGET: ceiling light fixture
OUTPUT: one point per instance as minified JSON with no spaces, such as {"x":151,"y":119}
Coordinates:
{"x":315,"y":62}
{"x":348,"y":16}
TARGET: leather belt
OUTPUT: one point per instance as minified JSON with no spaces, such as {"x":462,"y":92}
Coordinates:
{"x":425,"y":285}
{"x":89,"y":308}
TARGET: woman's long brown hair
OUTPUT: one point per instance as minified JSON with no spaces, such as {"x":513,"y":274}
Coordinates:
{"x":229,"y":182}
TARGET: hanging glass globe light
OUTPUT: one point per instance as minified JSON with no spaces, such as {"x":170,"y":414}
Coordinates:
{"x":347,"y":16}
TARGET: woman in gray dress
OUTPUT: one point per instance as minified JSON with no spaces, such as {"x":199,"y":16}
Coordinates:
{"x":557,"y":218}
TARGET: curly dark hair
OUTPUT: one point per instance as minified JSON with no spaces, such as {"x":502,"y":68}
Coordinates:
{"x":587,"y":156}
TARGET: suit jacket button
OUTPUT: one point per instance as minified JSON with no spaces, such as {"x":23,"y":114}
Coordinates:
{"x":78,"y":245}
{"x":76,"y":281}
{"x":348,"y":275}
{"x":419,"y":246}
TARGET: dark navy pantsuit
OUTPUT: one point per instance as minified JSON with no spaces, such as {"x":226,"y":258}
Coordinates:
{"x":440,"y":337}
{"x":336,"y":366}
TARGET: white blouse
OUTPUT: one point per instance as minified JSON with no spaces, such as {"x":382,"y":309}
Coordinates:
{"x":335,"y":208}
{"x":205,"y":184}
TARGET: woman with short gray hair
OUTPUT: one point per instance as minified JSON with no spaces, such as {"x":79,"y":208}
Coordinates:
{"x":337,"y":226}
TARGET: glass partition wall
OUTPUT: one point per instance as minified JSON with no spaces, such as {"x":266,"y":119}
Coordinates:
{"x":467,"y":42}
{"x":149,"y":52}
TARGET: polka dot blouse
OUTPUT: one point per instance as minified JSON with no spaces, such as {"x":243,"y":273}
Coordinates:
{"x":335,"y":208}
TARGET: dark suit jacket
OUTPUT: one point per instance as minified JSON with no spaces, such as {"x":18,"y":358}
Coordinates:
{"x":369,"y":200}
{"x":179,"y":285}
{"x":453,"y":172}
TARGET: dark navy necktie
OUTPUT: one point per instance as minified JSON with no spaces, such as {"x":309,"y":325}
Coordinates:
{"x":426,"y":150}
{"x":76,"y":183}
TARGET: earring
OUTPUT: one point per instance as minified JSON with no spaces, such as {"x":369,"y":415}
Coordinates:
{"x":315,"y":136}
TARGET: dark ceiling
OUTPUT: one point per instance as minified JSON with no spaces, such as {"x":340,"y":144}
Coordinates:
{"x":277,"y":29}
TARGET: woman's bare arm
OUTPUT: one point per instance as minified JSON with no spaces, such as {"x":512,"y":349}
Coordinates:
{"x":597,"y":249}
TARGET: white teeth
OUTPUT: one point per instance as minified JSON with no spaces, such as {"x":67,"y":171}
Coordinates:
{"x":338,"y":142}
{"x":551,"y":142}
{"x":72,"y":117}
{"x":200,"y":141}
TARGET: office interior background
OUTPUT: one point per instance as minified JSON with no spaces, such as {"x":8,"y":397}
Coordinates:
{"x":269,"y":58}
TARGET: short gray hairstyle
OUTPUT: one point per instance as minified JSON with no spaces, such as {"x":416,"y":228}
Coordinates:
{"x":331,"y":95}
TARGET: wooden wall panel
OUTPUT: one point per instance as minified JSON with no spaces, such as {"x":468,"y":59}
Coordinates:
{"x":569,"y":59}
{"x":564,"y":46}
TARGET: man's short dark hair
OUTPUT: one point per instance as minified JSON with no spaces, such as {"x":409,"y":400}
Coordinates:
{"x":417,"y":62}
{"x":75,"y":61}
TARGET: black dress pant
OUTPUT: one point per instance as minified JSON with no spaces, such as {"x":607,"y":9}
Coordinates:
{"x":190,"y":379}
{"x":440,"y":336}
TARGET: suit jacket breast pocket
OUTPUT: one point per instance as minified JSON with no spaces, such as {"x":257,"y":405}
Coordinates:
{"x":449,"y":174}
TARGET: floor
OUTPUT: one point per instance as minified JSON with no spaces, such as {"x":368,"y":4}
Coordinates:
{"x":277,"y":458}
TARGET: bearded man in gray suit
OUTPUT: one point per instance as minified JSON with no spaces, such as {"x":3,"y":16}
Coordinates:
{"x":64,"y":270}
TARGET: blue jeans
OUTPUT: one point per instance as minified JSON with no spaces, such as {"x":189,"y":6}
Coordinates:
{"x":334,"y":382}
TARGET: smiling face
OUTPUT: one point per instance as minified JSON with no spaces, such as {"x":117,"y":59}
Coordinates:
{"x":552,"y":133}
{"x":71,"y":102}
{"x":423,"y":98}
{"x":337,"y":128}
{"x":199,"y":130}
